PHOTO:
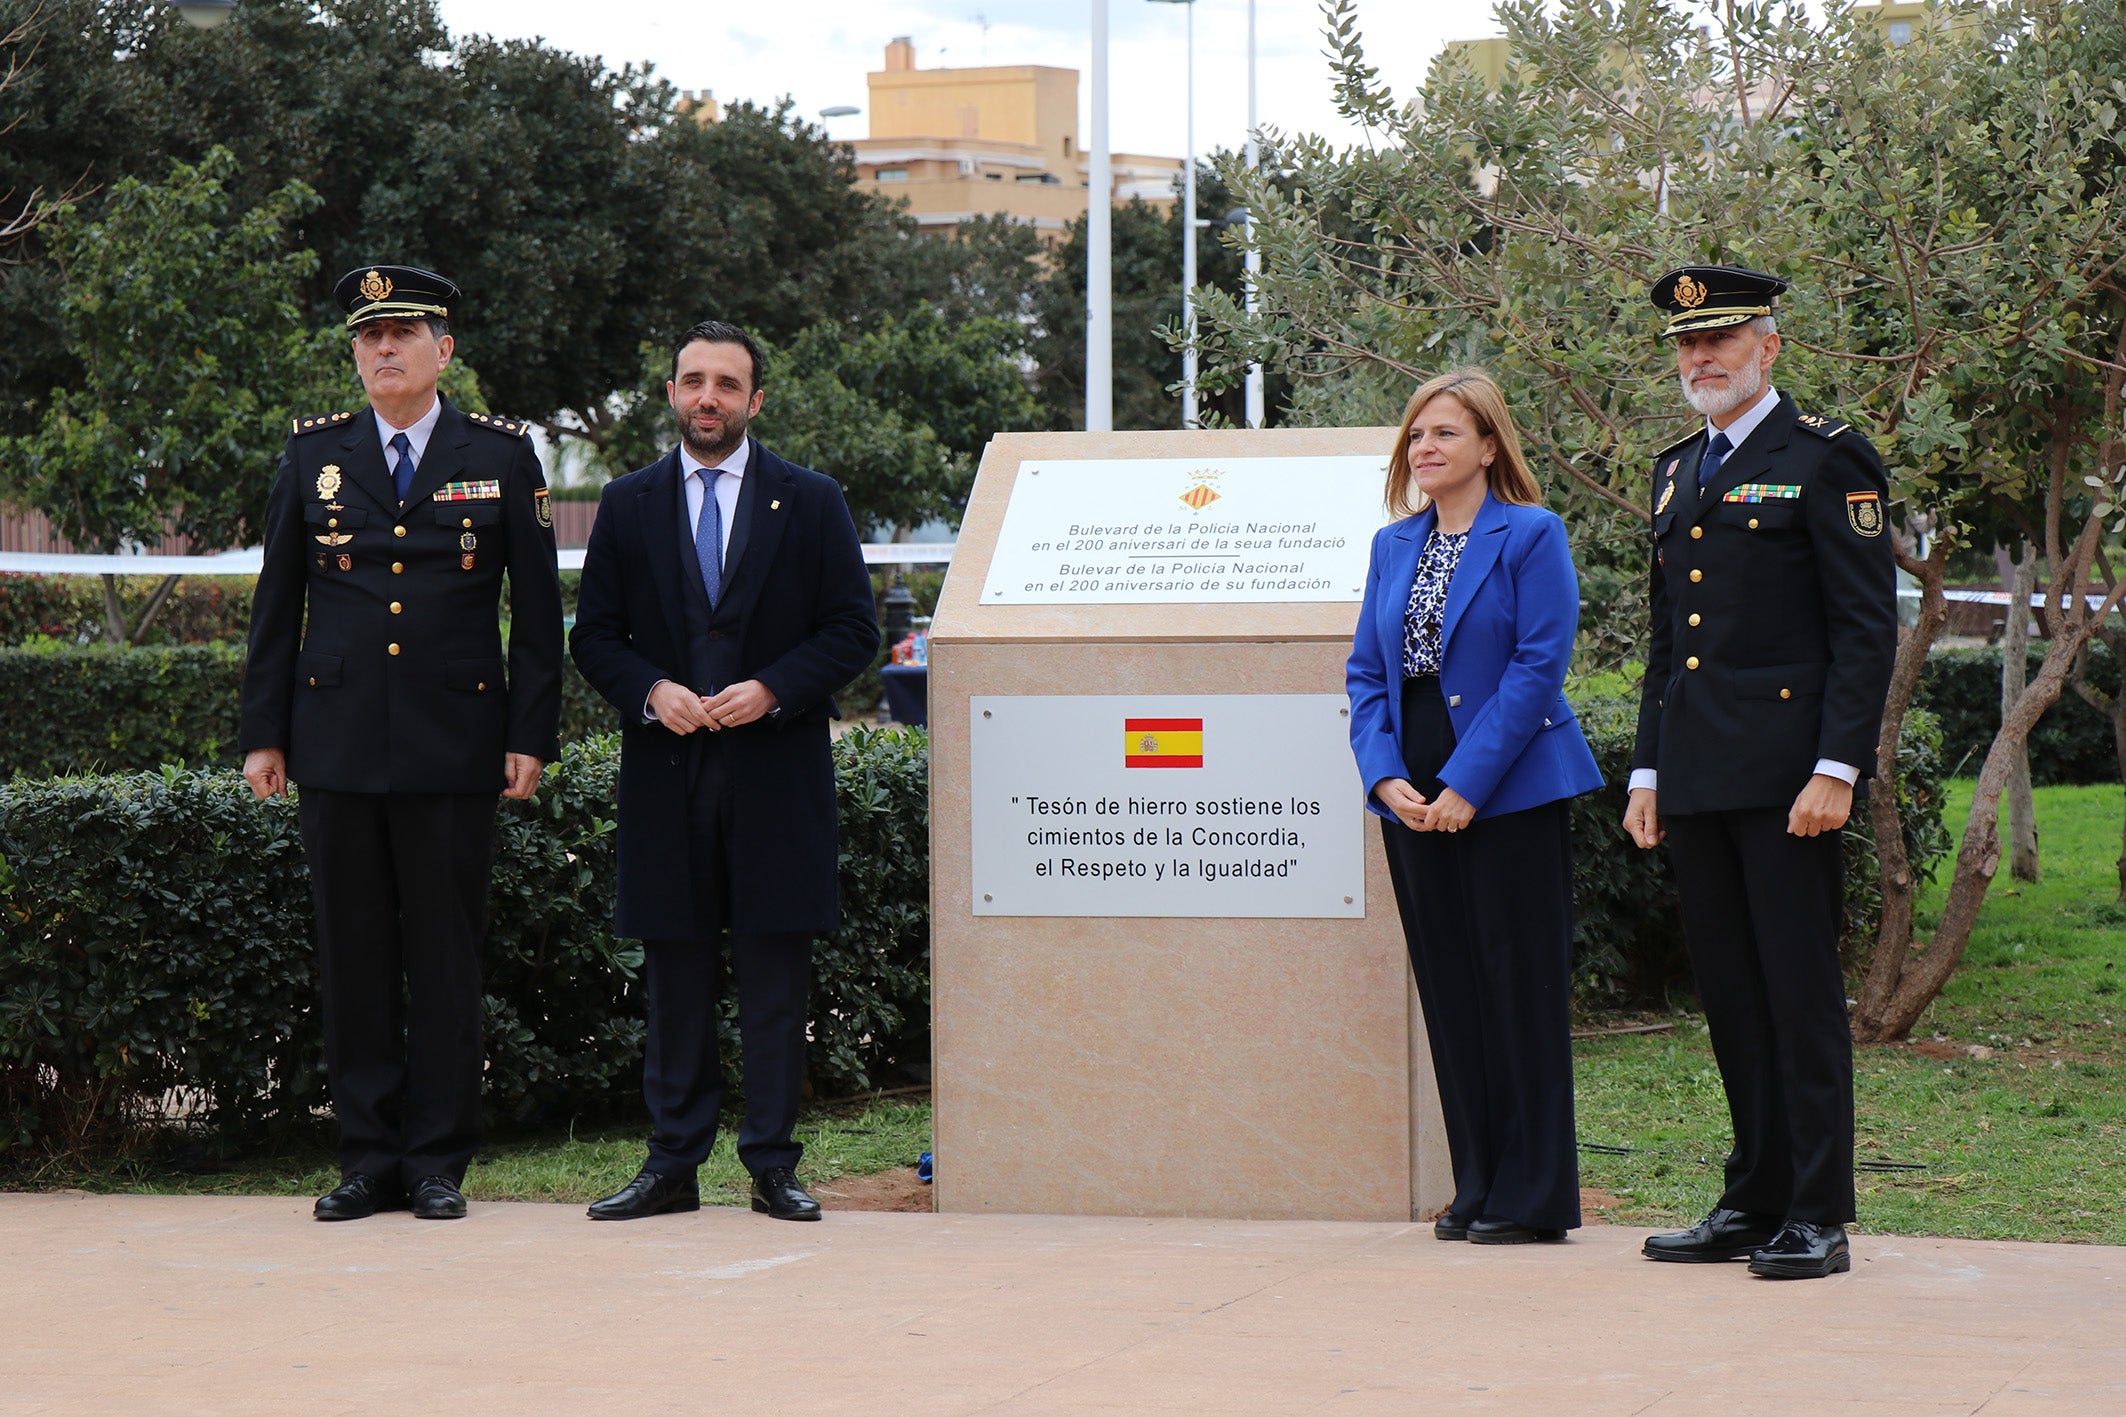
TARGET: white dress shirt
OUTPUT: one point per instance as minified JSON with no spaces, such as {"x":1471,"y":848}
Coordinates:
{"x":1736,"y":432}
{"x":730,"y":480}
{"x":417,"y":435}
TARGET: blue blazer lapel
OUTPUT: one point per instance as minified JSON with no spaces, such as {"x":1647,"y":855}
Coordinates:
{"x":1409,"y":543}
{"x":669,"y":554}
{"x":1479,"y":554}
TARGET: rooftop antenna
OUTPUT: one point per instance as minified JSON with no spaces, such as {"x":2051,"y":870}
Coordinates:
{"x":983,"y":20}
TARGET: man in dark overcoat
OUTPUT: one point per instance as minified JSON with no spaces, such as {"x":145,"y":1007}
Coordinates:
{"x":725,"y":601}
{"x":1774,"y":626}
{"x":376,"y":682}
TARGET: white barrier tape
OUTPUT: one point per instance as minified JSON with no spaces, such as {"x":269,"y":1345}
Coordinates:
{"x":246,"y":563}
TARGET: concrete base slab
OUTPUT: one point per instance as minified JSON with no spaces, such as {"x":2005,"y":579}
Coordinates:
{"x":139,"y":1304}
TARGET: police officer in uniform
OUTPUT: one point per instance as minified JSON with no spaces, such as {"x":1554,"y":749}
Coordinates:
{"x":377,"y":681}
{"x":1774,"y":626}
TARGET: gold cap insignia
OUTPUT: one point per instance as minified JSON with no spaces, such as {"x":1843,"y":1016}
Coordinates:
{"x":328,"y":481}
{"x":1690,"y":294}
{"x":377,"y":286}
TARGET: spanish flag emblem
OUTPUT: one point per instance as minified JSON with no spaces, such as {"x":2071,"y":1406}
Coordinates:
{"x":1162,"y":742}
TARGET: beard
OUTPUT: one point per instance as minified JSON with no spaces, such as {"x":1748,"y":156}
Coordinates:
{"x":1743,"y":386}
{"x":714,"y":450}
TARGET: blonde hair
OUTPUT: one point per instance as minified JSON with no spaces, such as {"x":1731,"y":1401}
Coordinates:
{"x":1508,"y":474}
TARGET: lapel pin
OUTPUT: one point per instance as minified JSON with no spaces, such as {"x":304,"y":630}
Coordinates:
{"x":775,"y":506}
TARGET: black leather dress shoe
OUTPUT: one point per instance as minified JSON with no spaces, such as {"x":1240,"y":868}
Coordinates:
{"x":1802,"y":1250}
{"x":776,"y":1193}
{"x":650,"y":1193}
{"x":1450,"y":1226}
{"x":1723,"y":1235}
{"x":438,"y":1198}
{"x":356,"y":1197}
{"x":1511,"y":1232}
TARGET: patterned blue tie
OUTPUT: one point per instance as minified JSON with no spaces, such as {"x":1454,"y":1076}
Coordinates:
{"x":402,"y":475}
{"x":1715,"y":454}
{"x":708,"y":536}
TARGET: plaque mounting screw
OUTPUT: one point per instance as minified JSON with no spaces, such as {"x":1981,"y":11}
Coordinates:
{"x":1347,"y":900}
{"x":988,"y":899}
{"x":985,"y":713}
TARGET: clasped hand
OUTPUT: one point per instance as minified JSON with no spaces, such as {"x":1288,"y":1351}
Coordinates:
{"x":1450,"y":813}
{"x":682,"y":710}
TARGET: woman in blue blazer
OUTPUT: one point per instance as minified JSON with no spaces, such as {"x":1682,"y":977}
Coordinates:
{"x":1469,"y":754}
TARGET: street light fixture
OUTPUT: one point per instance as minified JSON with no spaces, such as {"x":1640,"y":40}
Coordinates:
{"x":1099,"y":248}
{"x":1188,"y":233}
{"x":840,"y":110}
{"x":206,"y":14}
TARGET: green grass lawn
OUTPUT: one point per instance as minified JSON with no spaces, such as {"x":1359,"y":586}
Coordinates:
{"x":572,"y":1166}
{"x":2024,"y":1140}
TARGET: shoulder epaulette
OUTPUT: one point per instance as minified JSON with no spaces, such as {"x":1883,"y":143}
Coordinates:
{"x":514,"y":427}
{"x":1667,"y":448}
{"x":1822,"y":427}
{"x":323,"y":420}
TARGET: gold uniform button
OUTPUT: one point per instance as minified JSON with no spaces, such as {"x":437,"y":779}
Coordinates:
{"x":1753,"y":523}
{"x":396,"y":607}
{"x":398,"y":531}
{"x":398,"y":568}
{"x":481,"y":688}
{"x":313,"y":681}
{"x":1786,"y":693}
{"x":468,"y":521}
{"x":1696,"y":532}
{"x":332,"y":521}
{"x":1694,"y":621}
{"x":1697,"y":575}
{"x":394,"y":649}
{"x":1691,"y":663}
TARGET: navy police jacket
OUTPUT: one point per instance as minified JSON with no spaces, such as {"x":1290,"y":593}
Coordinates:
{"x":376,"y":659}
{"x":1774,"y":607}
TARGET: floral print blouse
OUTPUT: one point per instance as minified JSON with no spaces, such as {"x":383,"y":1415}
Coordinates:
{"x":1426,"y":616}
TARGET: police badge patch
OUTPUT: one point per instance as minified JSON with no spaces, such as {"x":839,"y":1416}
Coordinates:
{"x":543,"y":506}
{"x":1864,"y":511}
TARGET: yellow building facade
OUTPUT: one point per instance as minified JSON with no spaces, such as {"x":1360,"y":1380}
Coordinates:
{"x":955,"y":144}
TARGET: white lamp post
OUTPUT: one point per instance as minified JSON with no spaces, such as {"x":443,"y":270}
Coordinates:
{"x":1254,"y":156}
{"x":206,"y":14}
{"x":1099,"y":256}
{"x":1188,"y":232}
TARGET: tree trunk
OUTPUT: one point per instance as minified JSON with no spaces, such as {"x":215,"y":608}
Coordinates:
{"x":153,"y":608}
{"x":2015,"y":668}
{"x":113,"y":612}
{"x":1893,"y":940}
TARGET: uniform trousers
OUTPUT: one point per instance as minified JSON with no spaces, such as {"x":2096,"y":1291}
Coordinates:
{"x":399,"y":882}
{"x":1761,"y":913}
{"x":682,"y":1068}
{"x":1487,"y":913}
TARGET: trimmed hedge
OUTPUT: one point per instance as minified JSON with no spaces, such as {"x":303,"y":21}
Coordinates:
{"x":88,"y":708}
{"x":2071,"y":744}
{"x":1627,"y":932}
{"x":201,"y":610}
{"x":155,"y":947}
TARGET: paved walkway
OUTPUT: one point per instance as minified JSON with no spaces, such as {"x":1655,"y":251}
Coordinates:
{"x":136,"y":1305}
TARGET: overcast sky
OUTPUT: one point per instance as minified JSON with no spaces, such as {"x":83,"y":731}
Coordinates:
{"x":818,"y":51}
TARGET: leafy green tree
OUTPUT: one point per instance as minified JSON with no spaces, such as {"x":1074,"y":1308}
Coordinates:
{"x":1948,"y":211}
{"x":194,"y":349}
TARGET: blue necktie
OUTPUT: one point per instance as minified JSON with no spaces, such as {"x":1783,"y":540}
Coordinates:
{"x":402,"y":475}
{"x":708,"y":536}
{"x":1715,"y":454}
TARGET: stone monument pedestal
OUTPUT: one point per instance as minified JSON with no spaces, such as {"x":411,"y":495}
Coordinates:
{"x":1134,"y":1064}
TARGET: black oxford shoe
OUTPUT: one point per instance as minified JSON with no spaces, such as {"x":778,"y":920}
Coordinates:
{"x":1723,"y":1235}
{"x":650,"y":1193}
{"x":776,"y":1193}
{"x":438,"y":1198}
{"x":1450,"y":1226}
{"x":356,"y":1197}
{"x":1802,"y":1250}
{"x":1511,"y":1232}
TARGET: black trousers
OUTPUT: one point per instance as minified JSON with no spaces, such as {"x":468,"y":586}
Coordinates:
{"x":399,"y":882}
{"x":1487,"y":912}
{"x":682,"y":1069}
{"x":1761,"y":911}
